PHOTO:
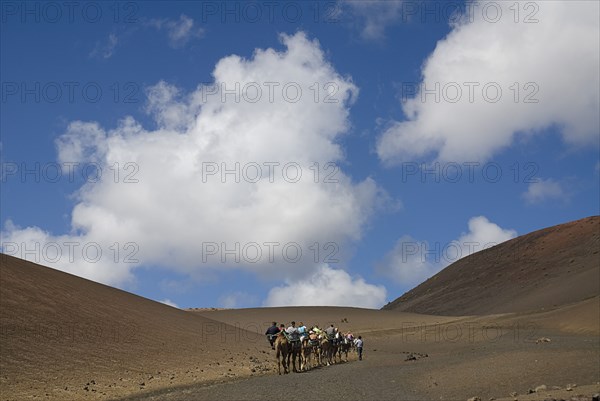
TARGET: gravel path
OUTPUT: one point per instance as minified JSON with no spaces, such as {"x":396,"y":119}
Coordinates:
{"x":449,"y":372}
{"x":355,"y":380}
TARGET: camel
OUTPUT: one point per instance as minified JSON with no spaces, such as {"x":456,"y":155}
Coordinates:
{"x":316,"y":351}
{"x":315,"y":345}
{"x":344,"y":347}
{"x":335,"y":346}
{"x":326,"y":348}
{"x":295,"y":352}
{"x":282,"y":347}
{"x":306,"y":356}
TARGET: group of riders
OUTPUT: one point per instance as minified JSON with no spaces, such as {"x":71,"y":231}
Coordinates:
{"x":322,"y":346}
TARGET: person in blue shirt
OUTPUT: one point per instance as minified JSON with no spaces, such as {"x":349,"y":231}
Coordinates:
{"x":302,"y":331}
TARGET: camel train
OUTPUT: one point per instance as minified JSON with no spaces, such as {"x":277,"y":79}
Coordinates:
{"x":305,"y":351}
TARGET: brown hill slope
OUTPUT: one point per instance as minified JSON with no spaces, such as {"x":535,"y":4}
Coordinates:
{"x":544,"y":269}
{"x":64,"y":337}
{"x":486,"y":356}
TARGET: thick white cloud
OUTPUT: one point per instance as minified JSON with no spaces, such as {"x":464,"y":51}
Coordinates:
{"x":483,"y":234}
{"x":555,"y":62}
{"x":411,"y":262}
{"x":82,"y":255}
{"x":328,"y":286}
{"x":543,"y":190}
{"x":169,"y":214}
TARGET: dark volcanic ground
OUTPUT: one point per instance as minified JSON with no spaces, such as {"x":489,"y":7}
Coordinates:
{"x":488,"y":369}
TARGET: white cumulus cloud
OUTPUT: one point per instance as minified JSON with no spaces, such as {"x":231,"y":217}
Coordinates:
{"x":328,"y":286}
{"x":499,"y":74}
{"x":158,"y":202}
{"x":483,"y":234}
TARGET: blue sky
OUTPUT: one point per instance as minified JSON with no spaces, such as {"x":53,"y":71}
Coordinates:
{"x":437,"y":129}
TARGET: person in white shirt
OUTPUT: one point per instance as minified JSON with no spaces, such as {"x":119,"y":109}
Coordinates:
{"x":359,"y":347}
{"x":293,"y":332}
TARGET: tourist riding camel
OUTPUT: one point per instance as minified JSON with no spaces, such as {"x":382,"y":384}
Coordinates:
{"x":302,"y":332}
{"x":271,"y":333}
{"x":310,"y":347}
{"x":292,"y":330}
{"x":330,"y":332}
